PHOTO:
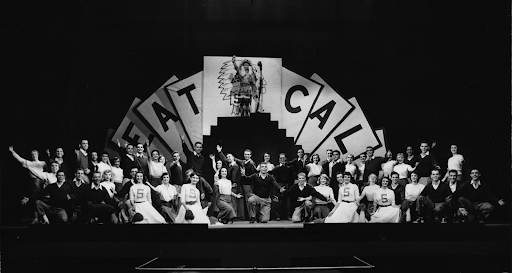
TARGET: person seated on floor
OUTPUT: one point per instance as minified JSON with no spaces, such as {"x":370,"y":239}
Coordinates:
{"x":476,"y":199}
{"x":168,"y":198}
{"x":224,"y":204}
{"x":301,"y":195}
{"x":410,"y":207}
{"x":123,"y":196}
{"x":99,"y":205}
{"x":78,"y":188}
{"x":140,"y":197}
{"x":453,"y":203}
{"x":260,"y":193}
{"x":322,"y":208}
{"x":109,"y":185}
{"x":433,"y":199}
{"x":397,"y":188}
{"x":59,"y":203}
{"x":345,"y":210}
{"x":384,"y":208}
{"x":190,"y":211}
{"x":366,"y":199}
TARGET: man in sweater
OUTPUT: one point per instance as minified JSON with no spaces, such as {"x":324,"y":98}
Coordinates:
{"x":301,"y":195}
{"x":433,"y":199}
{"x":78,"y":189}
{"x":260,"y":197}
{"x":333,"y":167}
{"x":373,"y":163}
{"x":476,"y":198}
{"x":426,"y":164}
{"x":99,"y":204}
{"x":59,"y":200}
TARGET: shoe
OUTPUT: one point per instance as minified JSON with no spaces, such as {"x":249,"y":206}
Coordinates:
{"x":419,"y":220}
{"x":35,"y":222}
{"x":251,"y":220}
{"x":263,"y":222}
{"x":443,"y":221}
{"x":278,"y":219}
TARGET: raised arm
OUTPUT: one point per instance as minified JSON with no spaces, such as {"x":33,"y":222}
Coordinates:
{"x":151,"y":186}
{"x":17,"y":157}
{"x":214,"y":164}
{"x":222,"y":156}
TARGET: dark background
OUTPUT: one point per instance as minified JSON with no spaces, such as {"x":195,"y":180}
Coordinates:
{"x":431,"y":70}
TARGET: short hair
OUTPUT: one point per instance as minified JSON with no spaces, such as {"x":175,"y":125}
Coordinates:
{"x":79,"y":169}
{"x":327,"y":179}
{"x":328,"y":150}
{"x":414,"y":172}
{"x":300,"y":149}
{"x":266,"y":154}
{"x":115,"y":159}
{"x":435,"y":170}
{"x":338,"y":173}
{"x":453,"y":171}
{"x":263,"y":163}
{"x":336,"y":151}
{"x":164,"y":174}
{"x":175,"y":152}
{"x":282,"y":154}
{"x":61,"y":171}
{"x":423,"y":141}
{"x":363,"y":154}
{"x":34,"y":150}
{"x":301,"y":174}
{"x":155,"y":150}
{"x":400,"y":154}
{"x":314,"y":156}
{"x":104,"y":153}
{"x":393,"y":173}
{"x":96,"y":172}
{"x":54,"y":162}
{"x":248,"y":150}
{"x":143,"y":176}
{"x":385,"y":177}
{"x":198,"y":142}
{"x":131,"y":169}
{"x":369,"y":147}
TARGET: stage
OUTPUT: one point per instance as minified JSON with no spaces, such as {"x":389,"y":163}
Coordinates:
{"x":124,"y":248}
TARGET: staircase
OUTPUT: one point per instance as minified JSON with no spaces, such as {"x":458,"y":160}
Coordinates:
{"x":255,"y":132}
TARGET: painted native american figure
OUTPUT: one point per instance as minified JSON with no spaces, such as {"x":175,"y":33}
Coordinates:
{"x":247,"y":88}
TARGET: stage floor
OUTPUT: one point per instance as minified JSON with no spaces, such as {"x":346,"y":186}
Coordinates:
{"x":269,"y":224}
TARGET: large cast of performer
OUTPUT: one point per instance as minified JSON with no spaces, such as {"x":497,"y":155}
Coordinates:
{"x":141,"y":187}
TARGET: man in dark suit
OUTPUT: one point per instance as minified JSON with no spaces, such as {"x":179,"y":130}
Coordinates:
{"x":373,"y":163}
{"x":298,"y":164}
{"x":453,"y":205}
{"x":195,"y":159}
{"x":142,"y":160}
{"x":333,"y":167}
{"x":177,"y":170}
{"x":128,"y":161}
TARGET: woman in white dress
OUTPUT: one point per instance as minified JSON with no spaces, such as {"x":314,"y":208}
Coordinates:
{"x":321,"y":209}
{"x":384,"y":201}
{"x":226,"y":211}
{"x":190,"y":200}
{"x":345,"y":210}
{"x":366,"y":206}
{"x":140,"y":197}
{"x":409,"y":206}
{"x":314,"y":170}
{"x":108,"y":184}
{"x":455,"y":163}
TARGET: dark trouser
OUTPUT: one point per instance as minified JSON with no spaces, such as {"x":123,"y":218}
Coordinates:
{"x":430,"y":209}
{"x":226,"y":211}
{"x":321,"y":211}
{"x":412,"y":207}
{"x":476,"y":208}
{"x":365,"y":207}
{"x":155,"y":199}
{"x":102,"y":211}
{"x":44,"y":208}
{"x":168,"y":211}
{"x":403,"y":181}
{"x":283,"y":206}
{"x":213,"y":210}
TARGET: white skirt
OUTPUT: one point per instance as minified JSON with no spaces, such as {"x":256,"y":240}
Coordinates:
{"x":386,"y":215}
{"x":200,"y":216}
{"x":345,"y":213}
{"x":150,"y":214}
